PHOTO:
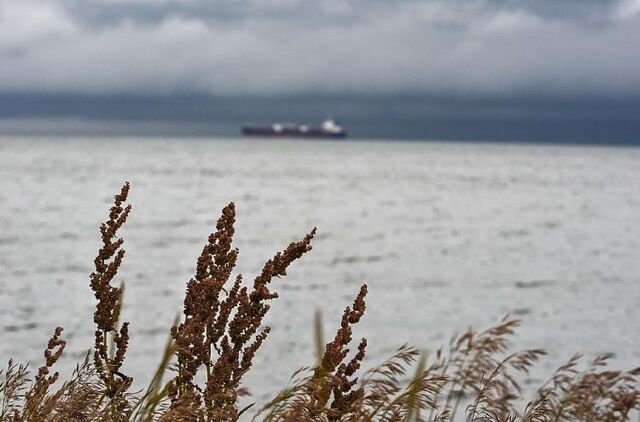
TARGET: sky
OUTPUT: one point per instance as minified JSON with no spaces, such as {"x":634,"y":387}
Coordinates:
{"x":551,"y":51}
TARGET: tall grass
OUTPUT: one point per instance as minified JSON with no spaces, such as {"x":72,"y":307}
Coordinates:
{"x":212,"y":346}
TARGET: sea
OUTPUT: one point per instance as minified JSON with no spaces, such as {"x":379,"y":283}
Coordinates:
{"x":447,"y":236}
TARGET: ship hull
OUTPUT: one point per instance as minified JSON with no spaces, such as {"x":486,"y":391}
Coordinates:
{"x":291,"y":133}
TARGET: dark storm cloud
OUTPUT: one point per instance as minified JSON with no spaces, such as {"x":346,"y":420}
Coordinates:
{"x":438,"y":47}
{"x":233,"y":11}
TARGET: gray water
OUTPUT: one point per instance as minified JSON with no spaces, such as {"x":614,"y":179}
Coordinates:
{"x":446,"y":236}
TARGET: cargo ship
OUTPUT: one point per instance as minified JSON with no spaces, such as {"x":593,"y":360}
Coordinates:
{"x":328,"y":129}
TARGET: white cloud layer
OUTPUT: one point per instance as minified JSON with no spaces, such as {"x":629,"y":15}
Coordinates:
{"x":443,"y":47}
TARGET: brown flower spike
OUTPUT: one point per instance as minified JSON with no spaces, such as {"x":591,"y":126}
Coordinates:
{"x":222,"y":330}
{"x":107,"y":313}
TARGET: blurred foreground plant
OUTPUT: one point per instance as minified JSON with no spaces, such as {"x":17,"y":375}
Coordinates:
{"x":212,"y":347}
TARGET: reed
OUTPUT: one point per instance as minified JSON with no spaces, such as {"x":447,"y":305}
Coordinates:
{"x":212,"y":345}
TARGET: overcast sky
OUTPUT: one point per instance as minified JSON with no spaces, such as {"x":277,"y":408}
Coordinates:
{"x":549,"y":48}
